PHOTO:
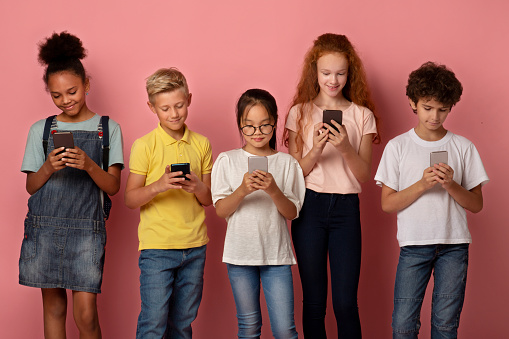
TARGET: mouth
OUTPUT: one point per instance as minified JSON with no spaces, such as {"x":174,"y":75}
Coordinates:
{"x":70,"y":107}
{"x":258,"y":139}
{"x":333,"y":88}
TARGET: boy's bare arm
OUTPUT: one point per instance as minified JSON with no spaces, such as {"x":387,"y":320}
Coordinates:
{"x":471,"y":200}
{"x":393,"y":201}
{"x":137,"y":194}
{"x":200,"y":188}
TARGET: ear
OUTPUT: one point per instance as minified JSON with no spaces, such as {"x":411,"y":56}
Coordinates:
{"x":412,"y":104}
{"x":189,"y":99}
{"x":87,"y":85}
{"x":152,"y":108}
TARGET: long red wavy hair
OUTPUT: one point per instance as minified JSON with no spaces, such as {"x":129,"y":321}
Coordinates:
{"x":356,"y":89}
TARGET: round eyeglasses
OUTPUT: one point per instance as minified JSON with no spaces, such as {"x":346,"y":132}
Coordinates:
{"x":249,"y":130}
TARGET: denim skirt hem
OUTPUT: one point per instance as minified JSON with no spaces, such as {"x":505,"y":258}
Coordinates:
{"x":67,"y":287}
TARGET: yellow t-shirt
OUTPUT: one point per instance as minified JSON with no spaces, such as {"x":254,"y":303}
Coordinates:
{"x":173,"y":219}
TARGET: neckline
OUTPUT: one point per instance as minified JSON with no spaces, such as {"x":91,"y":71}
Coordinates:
{"x":254,"y":155}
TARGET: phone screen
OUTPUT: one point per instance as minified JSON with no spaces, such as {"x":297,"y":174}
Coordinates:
{"x":258,"y":163}
{"x":63,"y":139}
{"x":333,"y":114}
{"x":438,"y":157}
{"x":185,"y":167}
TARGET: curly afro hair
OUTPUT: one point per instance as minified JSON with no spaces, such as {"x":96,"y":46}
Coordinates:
{"x":434,"y":81}
{"x":62,"y":52}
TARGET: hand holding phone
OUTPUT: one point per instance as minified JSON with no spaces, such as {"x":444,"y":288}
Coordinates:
{"x":185,"y":167}
{"x":333,"y":114}
{"x":257,"y":163}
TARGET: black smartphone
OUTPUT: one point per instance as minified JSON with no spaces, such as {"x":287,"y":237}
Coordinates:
{"x":63,"y":139}
{"x":333,"y":114}
{"x":185,"y":167}
{"x":438,"y":157}
{"x":257,"y":163}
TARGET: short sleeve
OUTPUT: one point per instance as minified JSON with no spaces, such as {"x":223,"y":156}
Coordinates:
{"x":295,"y":187}
{"x":474,"y":173}
{"x":369,"y":123}
{"x":206,"y":166}
{"x":34,"y":156}
{"x":291,"y":121}
{"x":220,"y":186}
{"x":139,"y":159}
{"x":116,"y":155}
{"x":388,"y":170}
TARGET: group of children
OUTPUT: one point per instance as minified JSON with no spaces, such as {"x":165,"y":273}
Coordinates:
{"x":316,"y":186}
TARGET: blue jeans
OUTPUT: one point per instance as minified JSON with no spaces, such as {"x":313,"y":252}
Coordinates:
{"x":329,"y":225}
{"x":171,"y":284}
{"x":449,"y":265}
{"x":278,"y":290}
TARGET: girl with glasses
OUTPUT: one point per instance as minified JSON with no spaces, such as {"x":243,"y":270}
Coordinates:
{"x":256,"y":206}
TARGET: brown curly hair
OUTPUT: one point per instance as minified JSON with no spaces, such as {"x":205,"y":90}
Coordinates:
{"x":356,"y":88}
{"x":434,"y":81}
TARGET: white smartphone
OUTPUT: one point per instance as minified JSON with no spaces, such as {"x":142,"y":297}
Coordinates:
{"x":257,"y":163}
{"x":438,"y":157}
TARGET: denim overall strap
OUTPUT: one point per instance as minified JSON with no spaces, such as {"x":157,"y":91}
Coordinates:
{"x":71,"y":193}
{"x":50,"y":122}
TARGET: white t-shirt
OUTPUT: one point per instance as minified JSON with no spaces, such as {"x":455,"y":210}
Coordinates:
{"x":331,"y":174}
{"x":257,"y":234}
{"x":435,"y":217}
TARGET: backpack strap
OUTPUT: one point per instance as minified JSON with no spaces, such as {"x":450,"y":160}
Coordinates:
{"x":106,"y":141}
{"x":104,"y":133}
{"x":45,"y":134}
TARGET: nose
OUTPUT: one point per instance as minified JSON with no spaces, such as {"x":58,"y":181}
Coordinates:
{"x":434,"y":114}
{"x":66,"y":99}
{"x":174,"y":113}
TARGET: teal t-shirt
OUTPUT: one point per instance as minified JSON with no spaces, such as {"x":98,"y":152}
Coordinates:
{"x":34,"y":153}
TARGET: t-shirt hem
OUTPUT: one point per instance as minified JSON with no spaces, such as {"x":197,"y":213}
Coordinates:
{"x":265,"y":262}
{"x":172,"y":246}
{"x":434,"y":242}
{"x":320,"y":189}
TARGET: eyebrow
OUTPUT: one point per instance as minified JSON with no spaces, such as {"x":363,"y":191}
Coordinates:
{"x":267,"y":119}
{"x":441,"y":107}
{"x":69,"y":89}
{"x":328,"y":70}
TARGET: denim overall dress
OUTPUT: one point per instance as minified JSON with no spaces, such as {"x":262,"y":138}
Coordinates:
{"x":65,"y":235}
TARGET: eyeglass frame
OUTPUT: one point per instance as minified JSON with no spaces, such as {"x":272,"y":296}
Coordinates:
{"x":257,"y":128}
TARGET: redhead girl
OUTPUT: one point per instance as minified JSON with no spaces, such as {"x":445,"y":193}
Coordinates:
{"x":335,"y":160}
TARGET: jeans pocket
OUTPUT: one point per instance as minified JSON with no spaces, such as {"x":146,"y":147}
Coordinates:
{"x":99,"y":244}
{"x":29,"y":244}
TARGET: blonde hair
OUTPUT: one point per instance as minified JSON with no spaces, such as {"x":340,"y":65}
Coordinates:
{"x":165,"y":80}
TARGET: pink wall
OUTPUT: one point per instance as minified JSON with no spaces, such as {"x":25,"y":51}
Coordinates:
{"x":225,"y":47}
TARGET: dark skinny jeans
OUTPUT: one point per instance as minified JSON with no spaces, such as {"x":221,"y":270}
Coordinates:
{"x":329,"y":224}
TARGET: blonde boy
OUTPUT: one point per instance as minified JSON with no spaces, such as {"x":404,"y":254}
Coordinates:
{"x":172,"y":231}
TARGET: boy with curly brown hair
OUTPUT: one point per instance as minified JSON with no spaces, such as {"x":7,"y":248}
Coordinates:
{"x":430,"y":199}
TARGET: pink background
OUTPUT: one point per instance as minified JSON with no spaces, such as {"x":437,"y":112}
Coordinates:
{"x":225,"y":47}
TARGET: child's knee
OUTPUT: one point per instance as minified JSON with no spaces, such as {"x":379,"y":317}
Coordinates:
{"x":406,"y":316}
{"x":86,"y":319}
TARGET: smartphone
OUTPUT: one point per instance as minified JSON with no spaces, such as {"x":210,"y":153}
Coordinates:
{"x":63,"y":139}
{"x":437,"y":157}
{"x":185,"y":167}
{"x":333,"y":114}
{"x":257,"y":163}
